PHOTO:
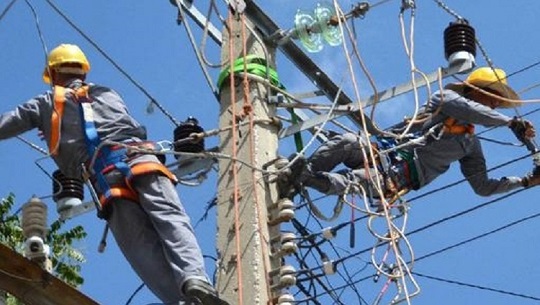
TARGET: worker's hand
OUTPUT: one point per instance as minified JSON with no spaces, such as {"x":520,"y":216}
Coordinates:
{"x":530,"y":180}
{"x":522,"y":129}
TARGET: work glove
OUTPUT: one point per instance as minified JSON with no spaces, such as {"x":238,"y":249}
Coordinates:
{"x":530,"y":180}
{"x":522,"y":129}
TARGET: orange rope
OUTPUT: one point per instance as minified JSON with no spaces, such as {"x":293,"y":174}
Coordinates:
{"x":234,"y":169}
{"x":248,"y":107}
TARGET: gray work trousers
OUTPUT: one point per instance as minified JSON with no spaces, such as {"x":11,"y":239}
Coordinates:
{"x":156,"y":237}
{"x":340,"y":149}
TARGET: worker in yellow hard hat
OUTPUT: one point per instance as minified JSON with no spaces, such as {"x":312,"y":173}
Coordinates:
{"x":66,"y":59}
{"x":91,"y":135}
{"x":444,"y":136}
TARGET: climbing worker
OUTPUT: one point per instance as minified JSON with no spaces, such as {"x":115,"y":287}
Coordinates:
{"x":447,"y":136}
{"x":137,"y":194}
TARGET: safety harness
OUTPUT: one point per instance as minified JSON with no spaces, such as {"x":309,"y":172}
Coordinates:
{"x":450,"y":126}
{"x":398,"y":165}
{"x":109,"y":158}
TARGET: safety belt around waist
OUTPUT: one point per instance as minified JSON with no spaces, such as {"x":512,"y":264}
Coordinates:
{"x":450,"y":126}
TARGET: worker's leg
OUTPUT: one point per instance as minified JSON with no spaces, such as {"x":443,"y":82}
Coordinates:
{"x":339,"y":182}
{"x":159,"y":199}
{"x":344,"y":148}
{"x":143,"y":249}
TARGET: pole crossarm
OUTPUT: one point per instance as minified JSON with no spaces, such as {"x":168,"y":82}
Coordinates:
{"x":387,"y":94}
{"x":32,"y":285}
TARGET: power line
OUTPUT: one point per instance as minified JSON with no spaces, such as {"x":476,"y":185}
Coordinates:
{"x":476,"y":286}
{"x":478,"y":237}
{"x":4,"y":12}
{"x":116,"y":65}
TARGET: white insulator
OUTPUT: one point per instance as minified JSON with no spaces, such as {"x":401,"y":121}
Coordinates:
{"x":287,"y":237}
{"x":285,"y":203}
{"x":34,"y":218}
{"x":286,"y":209}
{"x":461,"y":59}
{"x":287,"y":243}
{"x":287,"y":280}
{"x":286,"y":214}
{"x":329,"y":268}
{"x":289,"y":248}
{"x":287,"y":269}
{"x":286,"y":299}
{"x":287,"y":276}
{"x":328,"y":233}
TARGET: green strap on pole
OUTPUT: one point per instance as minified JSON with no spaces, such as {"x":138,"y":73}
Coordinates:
{"x":253,"y":65}
{"x":258,"y":66}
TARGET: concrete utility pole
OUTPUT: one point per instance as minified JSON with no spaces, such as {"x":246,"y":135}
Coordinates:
{"x":245,"y":200}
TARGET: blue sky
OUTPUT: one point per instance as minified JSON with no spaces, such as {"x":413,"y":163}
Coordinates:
{"x":143,"y":38}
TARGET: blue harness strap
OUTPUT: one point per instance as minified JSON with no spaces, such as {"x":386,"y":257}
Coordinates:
{"x":399,"y":164}
{"x":111,"y":158}
{"x":106,"y":157}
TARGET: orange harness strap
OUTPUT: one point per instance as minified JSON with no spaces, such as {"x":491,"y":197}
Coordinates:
{"x":56,"y":118}
{"x":58,"y":113}
{"x":127,"y":192}
{"x":450,"y":126}
{"x":115,"y":191}
{"x":152,"y":167}
{"x":119,"y":192}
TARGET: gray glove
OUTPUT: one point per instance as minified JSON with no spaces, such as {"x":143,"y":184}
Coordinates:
{"x":522,"y":129}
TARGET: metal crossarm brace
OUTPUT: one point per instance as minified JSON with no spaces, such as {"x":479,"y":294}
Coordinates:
{"x":383,"y":96}
{"x":201,"y":20}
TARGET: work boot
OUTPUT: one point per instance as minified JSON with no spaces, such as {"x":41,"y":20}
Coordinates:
{"x":290,"y":184}
{"x":297,"y":168}
{"x":202,"y":293}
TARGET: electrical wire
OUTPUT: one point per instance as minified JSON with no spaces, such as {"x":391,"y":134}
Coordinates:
{"x":132,"y":296}
{"x":6,"y":9}
{"x":114,"y":63}
{"x":477,"y":287}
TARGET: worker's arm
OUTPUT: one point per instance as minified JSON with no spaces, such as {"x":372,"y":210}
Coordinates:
{"x":25,"y":117}
{"x":473,"y":167}
{"x":462,"y":109}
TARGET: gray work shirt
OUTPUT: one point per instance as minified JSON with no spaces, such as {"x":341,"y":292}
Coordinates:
{"x":112,"y":122}
{"x":436,"y":156}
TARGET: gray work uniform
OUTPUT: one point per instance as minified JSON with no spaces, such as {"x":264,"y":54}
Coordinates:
{"x":155,"y":234}
{"x":431,"y":158}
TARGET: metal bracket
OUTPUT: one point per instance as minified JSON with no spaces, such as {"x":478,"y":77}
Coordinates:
{"x":200,"y":19}
{"x":78,"y":210}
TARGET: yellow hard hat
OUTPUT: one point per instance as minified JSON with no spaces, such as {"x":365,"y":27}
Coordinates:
{"x":62,"y":54}
{"x":492,"y":79}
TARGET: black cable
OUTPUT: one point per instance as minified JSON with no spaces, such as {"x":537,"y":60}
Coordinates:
{"x":8,"y":7}
{"x":476,"y":286}
{"x":134,"y":293}
{"x":459,"y":244}
{"x":423,"y":228}
{"x":117,"y":66}
{"x":477,"y":237}
{"x":349,"y":278}
{"x":322,"y":255}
